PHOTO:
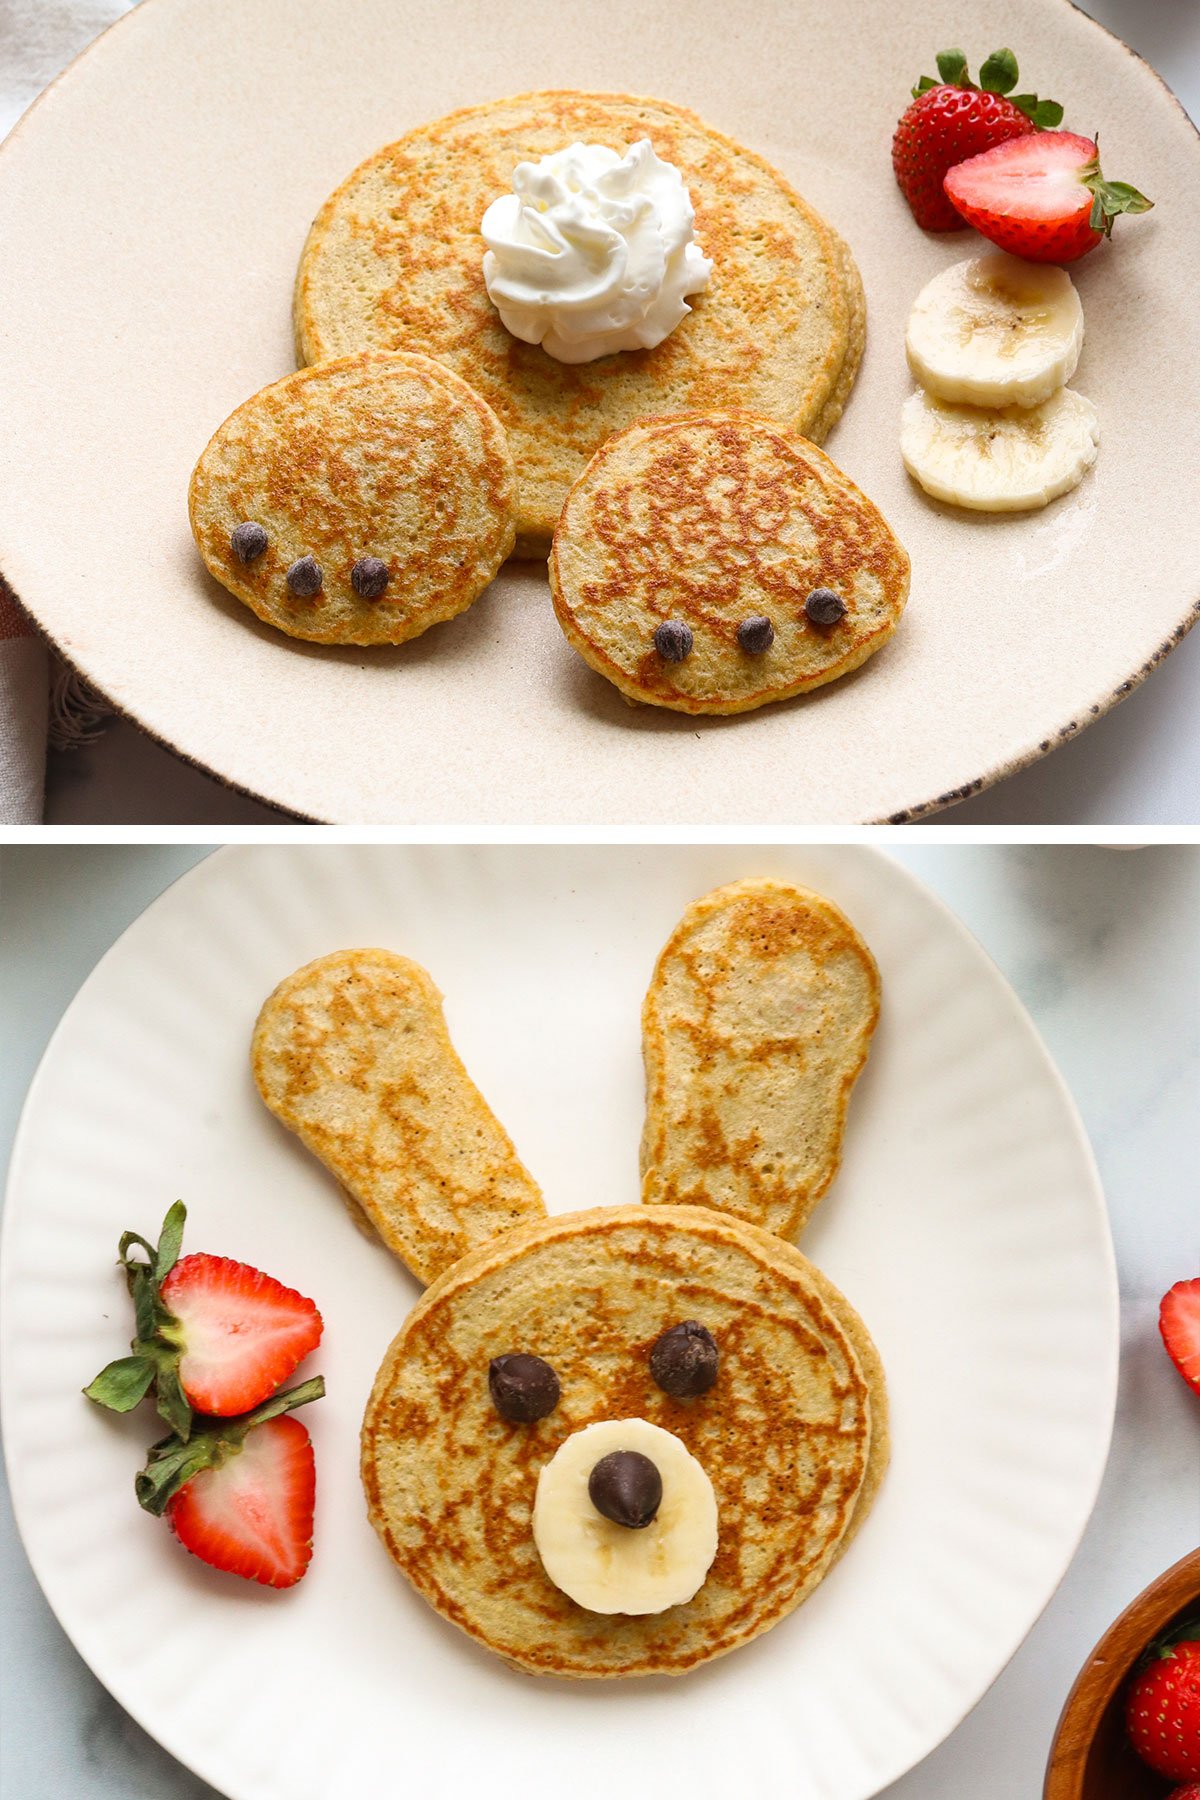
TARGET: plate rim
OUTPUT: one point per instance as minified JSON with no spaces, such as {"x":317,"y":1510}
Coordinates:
{"x":1035,"y":750}
{"x":887,"y":869}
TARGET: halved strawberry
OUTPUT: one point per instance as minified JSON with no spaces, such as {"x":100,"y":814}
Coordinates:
{"x":1042,"y":197}
{"x":212,"y":1333}
{"x":1179,"y":1322}
{"x":240,"y":1332}
{"x":240,"y":1494}
{"x":952,"y":119}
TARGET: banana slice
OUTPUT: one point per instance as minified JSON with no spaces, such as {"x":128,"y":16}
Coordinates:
{"x":996,"y":331}
{"x":1011,"y":461}
{"x":613,"y":1568}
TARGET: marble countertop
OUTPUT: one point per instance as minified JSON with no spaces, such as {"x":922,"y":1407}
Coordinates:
{"x":1138,"y":764}
{"x":1102,"y":948}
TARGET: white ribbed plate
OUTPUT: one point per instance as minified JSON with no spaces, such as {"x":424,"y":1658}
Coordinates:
{"x":967,"y":1225}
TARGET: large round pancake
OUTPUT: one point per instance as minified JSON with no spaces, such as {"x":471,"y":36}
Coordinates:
{"x":793,"y":1436}
{"x":755,"y":1027}
{"x":714,"y":518}
{"x":370,"y":455}
{"x":394,"y":260}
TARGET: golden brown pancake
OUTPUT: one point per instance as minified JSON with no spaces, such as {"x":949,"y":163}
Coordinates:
{"x":755,"y":1028}
{"x":352,"y":1054}
{"x":394,"y":260}
{"x":710,"y":521}
{"x":793,"y":1436}
{"x":372,"y":458}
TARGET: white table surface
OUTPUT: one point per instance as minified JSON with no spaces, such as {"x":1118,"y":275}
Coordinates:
{"x":1139,"y":764}
{"x":1100,"y":944}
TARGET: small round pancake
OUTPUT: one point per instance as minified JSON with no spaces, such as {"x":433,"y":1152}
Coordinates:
{"x":394,"y":260}
{"x":713,"y":519}
{"x":379,"y":456}
{"x":793,"y":1436}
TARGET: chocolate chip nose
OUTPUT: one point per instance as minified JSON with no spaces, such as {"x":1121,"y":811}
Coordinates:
{"x":626,"y":1487}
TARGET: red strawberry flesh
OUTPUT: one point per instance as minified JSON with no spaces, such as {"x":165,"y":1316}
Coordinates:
{"x":242,"y":1332}
{"x":253,"y":1516}
{"x":1179,"y":1323}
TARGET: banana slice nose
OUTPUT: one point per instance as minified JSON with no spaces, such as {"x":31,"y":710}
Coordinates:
{"x":625,"y":1562}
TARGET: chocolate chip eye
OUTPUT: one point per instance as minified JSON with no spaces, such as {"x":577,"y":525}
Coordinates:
{"x":755,"y":635}
{"x":247,"y":541}
{"x":304,"y":578}
{"x":523,"y":1388}
{"x":824,"y":607}
{"x":369,"y":577}
{"x":684,"y":1361}
{"x":673,"y":640}
{"x":626,"y":1487}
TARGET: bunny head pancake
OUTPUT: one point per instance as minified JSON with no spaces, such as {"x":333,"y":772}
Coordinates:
{"x":613,"y":1442}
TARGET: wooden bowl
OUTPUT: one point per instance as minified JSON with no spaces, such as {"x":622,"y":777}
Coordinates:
{"x":1090,"y":1758}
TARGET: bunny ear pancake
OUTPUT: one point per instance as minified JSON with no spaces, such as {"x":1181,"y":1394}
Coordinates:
{"x":755,"y":1028}
{"x":352,"y":1054}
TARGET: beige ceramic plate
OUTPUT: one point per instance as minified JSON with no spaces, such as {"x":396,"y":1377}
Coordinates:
{"x":152,"y":209}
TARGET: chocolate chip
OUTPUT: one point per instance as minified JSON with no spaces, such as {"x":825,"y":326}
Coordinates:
{"x":304,"y":578}
{"x":369,"y":577}
{"x":673,"y":640}
{"x":684,"y":1360}
{"x":824,"y":607}
{"x":523,"y":1388}
{"x":247,"y":541}
{"x":627,"y":1488}
{"x":756,"y":635}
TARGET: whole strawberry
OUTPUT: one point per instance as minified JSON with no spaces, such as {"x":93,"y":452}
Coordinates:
{"x":952,"y":119}
{"x":1162,"y":1709}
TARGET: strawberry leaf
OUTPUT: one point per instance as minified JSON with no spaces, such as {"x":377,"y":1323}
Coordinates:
{"x":173,"y":1462}
{"x":170,"y":1240}
{"x":170,"y":1399}
{"x":1110,"y":198}
{"x":952,"y":67}
{"x":121,"y":1384}
{"x":923,"y":86}
{"x":157,"y":1333}
{"x":1047,"y":114}
{"x":999,"y":73}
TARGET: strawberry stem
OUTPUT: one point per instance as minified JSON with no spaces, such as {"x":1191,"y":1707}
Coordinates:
{"x":173,"y":1462}
{"x":159,"y":1335}
{"x":1109,"y":198}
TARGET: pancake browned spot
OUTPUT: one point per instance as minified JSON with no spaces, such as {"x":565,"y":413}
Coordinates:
{"x":793,"y":1435}
{"x":394,"y":260}
{"x":712,"y":519}
{"x":755,"y":1028}
{"x":387,"y":463}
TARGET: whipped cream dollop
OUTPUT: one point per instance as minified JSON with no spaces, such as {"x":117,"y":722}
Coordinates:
{"x":593,"y":252}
